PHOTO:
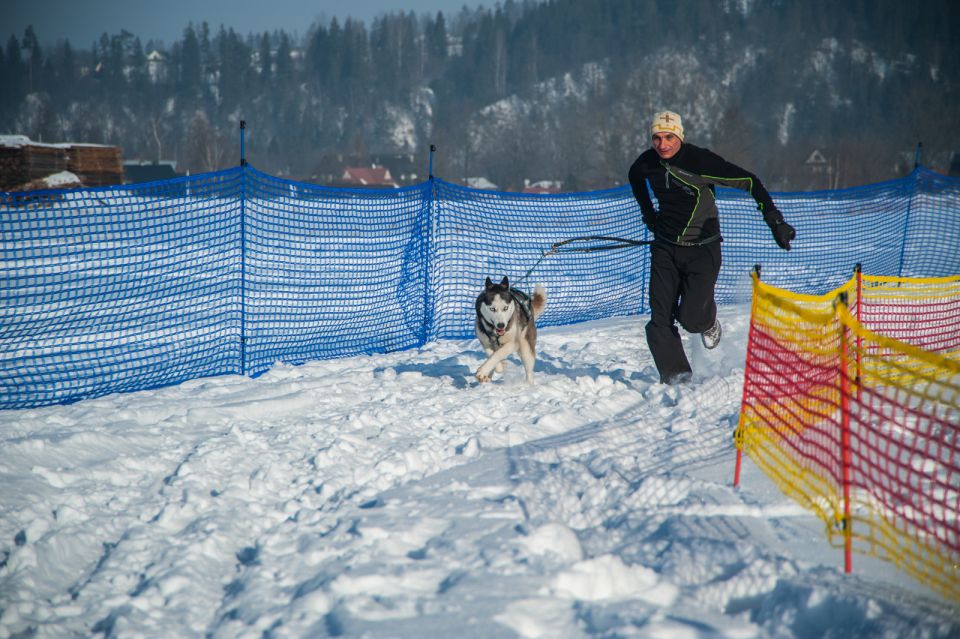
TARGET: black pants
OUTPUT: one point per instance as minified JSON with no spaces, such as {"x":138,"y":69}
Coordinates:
{"x":682,"y":282}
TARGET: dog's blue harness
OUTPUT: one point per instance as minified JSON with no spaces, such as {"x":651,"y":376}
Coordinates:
{"x":523,"y":300}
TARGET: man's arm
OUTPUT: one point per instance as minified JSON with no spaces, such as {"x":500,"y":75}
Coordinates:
{"x":724,"y":173}
{"x":639,"y":185}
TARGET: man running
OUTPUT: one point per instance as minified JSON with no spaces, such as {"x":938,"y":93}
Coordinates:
{"x":685,"y":256}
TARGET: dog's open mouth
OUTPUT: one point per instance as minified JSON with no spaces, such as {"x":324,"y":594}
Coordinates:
{"x":500,"y":331}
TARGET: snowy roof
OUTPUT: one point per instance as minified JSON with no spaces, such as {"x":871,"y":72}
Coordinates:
{"x":479,"y":183}
{"x":369,"y":176}
{"x":16,"y":141}
{"x":543,"y":186}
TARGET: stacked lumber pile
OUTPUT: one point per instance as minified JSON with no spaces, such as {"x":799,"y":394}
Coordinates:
{"x":12,"y":170}
{"x":96,"y":164}
{"x":23,"y":163}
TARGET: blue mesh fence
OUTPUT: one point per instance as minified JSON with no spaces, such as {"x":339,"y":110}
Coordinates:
{"x":135,"y":287}
{"x":835,"y":231}
{"x":118,"y":289}
{"x":931,"y":230}
{"x":480,"y":234}
{"x":332,"y":272}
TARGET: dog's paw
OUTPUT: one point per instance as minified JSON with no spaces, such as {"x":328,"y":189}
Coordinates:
{"x":483,"y":379}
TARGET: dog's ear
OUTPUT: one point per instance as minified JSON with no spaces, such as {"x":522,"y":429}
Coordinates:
{"x":505,"y":283}
{"x":489,"y":283}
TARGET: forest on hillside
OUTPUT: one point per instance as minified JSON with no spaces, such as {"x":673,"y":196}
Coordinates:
{"x":554,"y":89}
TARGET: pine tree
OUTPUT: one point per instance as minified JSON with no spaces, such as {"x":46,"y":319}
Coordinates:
{"x":34,"y":58}
{"x":189,"y":69}
{"x":435,"y":35}
{"x":265,"y":60}
{"x":13,"y":76}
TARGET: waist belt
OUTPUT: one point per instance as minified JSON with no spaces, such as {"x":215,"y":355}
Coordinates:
{"x":709,"y":240}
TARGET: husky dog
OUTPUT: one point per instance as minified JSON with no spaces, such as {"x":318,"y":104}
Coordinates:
{"x":506,"y":323}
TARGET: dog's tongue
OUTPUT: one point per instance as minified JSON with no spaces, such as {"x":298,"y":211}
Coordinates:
{"x":501,"y":331}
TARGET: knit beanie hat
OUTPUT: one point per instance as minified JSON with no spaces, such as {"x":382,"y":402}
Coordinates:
{"x":667,"y":122}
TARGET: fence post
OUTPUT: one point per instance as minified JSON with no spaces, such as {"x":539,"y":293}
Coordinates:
{"x":845,"y":452}
{"x":858,"y":270}
{"x":243,"y":158}
{"x":429,"y":297}
{"x":918,"y":156}
{"x":914,"y":185}
{"x":738,"y":435}
{"x":243,"y":252}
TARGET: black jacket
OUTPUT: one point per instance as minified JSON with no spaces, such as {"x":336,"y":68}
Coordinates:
{"x":684,"y":188}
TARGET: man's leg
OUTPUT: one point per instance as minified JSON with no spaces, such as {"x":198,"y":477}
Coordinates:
{"x":701,"y":267}
{"x":663,"y":338}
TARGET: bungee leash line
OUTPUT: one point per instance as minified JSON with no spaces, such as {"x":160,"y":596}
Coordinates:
{"x":619,"y":243}
{"x":561,"y":247}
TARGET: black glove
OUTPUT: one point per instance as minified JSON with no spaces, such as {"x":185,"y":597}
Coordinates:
{"x":783,"y":233}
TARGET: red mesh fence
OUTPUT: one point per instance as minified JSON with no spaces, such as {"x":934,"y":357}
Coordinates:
{"x":851,"y":405}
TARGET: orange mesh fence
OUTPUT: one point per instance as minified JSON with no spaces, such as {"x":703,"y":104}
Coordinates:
{"x":851,"y":404}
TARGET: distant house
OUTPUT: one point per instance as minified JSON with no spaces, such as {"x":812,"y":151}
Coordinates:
{"x":404,"y":168}
{"x":819,"y":172}
{"x":542,"y":186}
{"x":817,"y":162}
{"x":454,"y":46}
{"x":156,"y":66}
{"x":941,"y":161}
{"x":137,"y":171}
{"x":375,"y":177}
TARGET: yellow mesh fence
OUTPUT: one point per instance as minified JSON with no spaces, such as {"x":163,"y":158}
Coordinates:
{"x":851,"y":405}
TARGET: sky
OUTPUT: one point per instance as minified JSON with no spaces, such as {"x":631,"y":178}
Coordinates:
{"x":392,"y":496}
{"x":83,"y":21}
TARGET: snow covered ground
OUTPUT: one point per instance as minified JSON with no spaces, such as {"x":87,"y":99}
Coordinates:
{"x":392,"y":496}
